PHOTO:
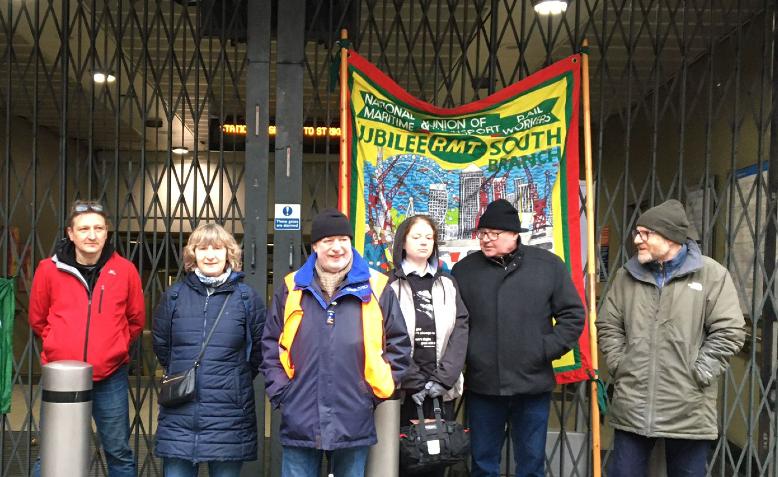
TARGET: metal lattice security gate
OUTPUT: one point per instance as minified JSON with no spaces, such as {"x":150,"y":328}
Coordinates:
{"x":682,"y":105}
{"x":173,"y":76}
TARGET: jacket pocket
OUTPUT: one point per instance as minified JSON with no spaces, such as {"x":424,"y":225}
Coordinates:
{"x":635,"y":358}
{"x":236,"y":387}
{"x":286,"y":393}
{"x":48,"y":343}
{"x":368,"y":398}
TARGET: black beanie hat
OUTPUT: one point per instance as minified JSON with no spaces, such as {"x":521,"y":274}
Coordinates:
{"x":669,"y":220}
{"x":328,"y":223}
{"x":500,"y":215}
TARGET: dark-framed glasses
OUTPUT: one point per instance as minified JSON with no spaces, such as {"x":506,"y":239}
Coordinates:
{"x":490,"y":235}
{"x":643,"y":234}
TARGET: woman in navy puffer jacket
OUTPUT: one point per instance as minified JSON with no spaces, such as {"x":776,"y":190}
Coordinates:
{"x":219,"y":426}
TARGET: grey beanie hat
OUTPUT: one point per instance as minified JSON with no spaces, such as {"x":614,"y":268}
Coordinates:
{"x":669,"y":220}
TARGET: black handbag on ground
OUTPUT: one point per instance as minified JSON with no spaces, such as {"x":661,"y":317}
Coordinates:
{"x":180,"y":388}
{"x":429,"y":445}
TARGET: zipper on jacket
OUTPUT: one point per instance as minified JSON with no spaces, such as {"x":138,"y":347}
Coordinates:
{"x":662,"y":276}
{"x":331,"y":314}
{"x":205,"y":317}
{"x":88,"y":320}
{"x":196,"y":414}
{"x":497,"y":341}
{"x":652,"y":368}
{"x":100,"y":303}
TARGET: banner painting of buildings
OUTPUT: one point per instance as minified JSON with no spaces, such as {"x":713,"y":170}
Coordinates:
{"x":409,"y":157}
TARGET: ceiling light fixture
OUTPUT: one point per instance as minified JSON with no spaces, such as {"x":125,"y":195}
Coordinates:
{"x":101,"y":78}
{"x":549,"y":7}
{"x":181,"y":150}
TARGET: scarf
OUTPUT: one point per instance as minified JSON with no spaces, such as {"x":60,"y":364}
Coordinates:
{"x":213,"y":282}
{"x":329,"y":281}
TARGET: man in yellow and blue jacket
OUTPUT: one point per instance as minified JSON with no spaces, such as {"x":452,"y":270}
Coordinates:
{"x":334,"y":345}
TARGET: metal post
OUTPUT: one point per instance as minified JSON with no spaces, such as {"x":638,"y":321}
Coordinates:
{"x":66,"y":418}
{"x":289,"y":130}
{"x":256,"y":179}
{"x":384,"y":457}
{"x":290,"y":53}
{"x":769,"y":323}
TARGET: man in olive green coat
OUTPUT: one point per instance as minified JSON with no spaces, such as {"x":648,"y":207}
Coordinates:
{"x":670,"y":323}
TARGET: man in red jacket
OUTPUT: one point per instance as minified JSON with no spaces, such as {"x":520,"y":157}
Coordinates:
{"x":86,"y":304}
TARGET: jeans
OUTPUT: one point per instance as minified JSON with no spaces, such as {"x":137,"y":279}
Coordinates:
{"x":110,"y":411}
{"x":631,"y":452}
{"x":184,"y":468}
{"x":306,"y":462}
{"x":528,"y":417}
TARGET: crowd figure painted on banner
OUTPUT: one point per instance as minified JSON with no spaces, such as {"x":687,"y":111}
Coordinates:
{"x":340,"y":338}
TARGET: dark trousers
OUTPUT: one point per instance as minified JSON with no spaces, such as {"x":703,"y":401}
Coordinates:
{"x":487,"y":417}
{"x":631,"y":452}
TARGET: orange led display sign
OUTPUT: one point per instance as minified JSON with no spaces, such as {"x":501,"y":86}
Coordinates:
{"x":308,"y":131}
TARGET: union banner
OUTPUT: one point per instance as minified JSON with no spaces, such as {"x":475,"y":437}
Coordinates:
{"x":409,"y":157}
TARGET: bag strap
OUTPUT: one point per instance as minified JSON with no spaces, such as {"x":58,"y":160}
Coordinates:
{"x":420,"y":414}
{"x":210,"y":333}
{"x":439,"y":427}
{"x":439,"y":419}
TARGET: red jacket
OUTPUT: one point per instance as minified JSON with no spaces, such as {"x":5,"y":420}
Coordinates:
{"x":64,"y":315}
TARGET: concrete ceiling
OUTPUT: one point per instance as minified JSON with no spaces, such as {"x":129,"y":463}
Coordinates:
{"x":437,"y":51}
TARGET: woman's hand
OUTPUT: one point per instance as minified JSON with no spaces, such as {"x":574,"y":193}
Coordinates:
{"x":432,"y":390}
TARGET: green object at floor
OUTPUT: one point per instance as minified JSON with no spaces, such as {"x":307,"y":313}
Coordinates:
{"x":7,"y":307}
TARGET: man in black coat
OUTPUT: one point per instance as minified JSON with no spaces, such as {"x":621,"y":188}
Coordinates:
{"x":514,"y":293}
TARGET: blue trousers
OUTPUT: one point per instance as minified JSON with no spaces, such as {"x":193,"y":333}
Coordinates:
{"x":110,"y":410}
{"x":306,"y":462}
{"x":528,"y":417}
{"x":185,"y":468}
{"x":631,"y":452}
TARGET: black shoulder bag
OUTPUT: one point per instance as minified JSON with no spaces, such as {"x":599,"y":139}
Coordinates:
{"x":179,"y":388}
{"x":427,"y":446}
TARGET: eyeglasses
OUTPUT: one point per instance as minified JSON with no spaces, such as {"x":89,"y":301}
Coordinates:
{"x":644,"y":234}
{"x":81,"y":207}
{"x":481,"y":234}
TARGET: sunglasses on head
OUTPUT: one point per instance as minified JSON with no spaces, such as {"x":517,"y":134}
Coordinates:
{"x":82,"y":207}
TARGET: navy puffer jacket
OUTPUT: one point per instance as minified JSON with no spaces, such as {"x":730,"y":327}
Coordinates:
{"x":220,"y":424}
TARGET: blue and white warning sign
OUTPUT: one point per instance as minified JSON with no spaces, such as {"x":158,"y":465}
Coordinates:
{"x":287,"y":217}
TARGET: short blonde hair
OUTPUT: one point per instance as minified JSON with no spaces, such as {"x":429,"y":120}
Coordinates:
{"x":212,"y":234}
